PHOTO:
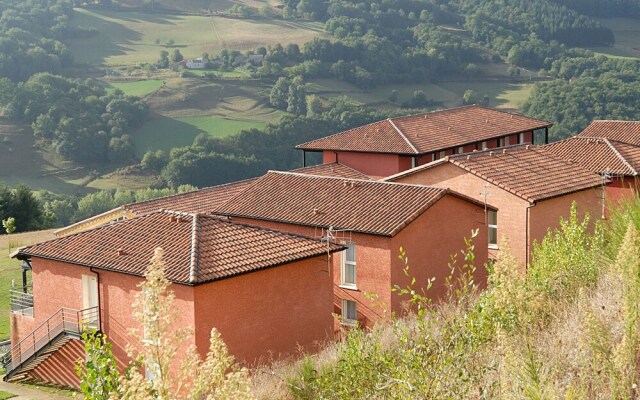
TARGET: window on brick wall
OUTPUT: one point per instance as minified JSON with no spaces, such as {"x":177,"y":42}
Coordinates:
{"x":504,"y":141}
{"x":492,"y":224}
{"x":521,"y":138}
{"x":484,"y":145}
{"x":349,"y":312}
{"x":460,"y":149}
{"x":348,"y":267}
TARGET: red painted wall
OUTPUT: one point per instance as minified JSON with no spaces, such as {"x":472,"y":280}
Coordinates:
{"x":546,"y":214}
{"x":621,"y":188}
{"x":431,"y":240}
{"x":268,"y":314}
{"x":372,"y":164}
{"x":373,"y":275}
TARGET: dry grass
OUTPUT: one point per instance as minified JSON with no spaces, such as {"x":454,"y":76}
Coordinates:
{"x":128,"y":38}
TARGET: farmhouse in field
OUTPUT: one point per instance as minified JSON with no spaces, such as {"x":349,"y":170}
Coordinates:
{"x":268,"y":293}
{"x":530,"y":189}
{"x":196,"y":63}
{"x":394,"y":145}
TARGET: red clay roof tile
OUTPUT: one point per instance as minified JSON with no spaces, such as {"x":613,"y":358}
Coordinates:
{"x":526,"y":171}
{"x":206,"y":200}
{"x":425,"y":133}
{"x":367,"y":206}
{"x":620,"y":131}
{"x":598,"y":155}
{"x":220,"y":249}
{"x":332,"y":169}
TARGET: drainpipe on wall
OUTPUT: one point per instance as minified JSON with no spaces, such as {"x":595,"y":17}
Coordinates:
{"x":99,"y":302}
{"x":527,"y":227}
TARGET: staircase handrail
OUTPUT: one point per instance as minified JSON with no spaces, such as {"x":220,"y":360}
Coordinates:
{"x":75,"y":318}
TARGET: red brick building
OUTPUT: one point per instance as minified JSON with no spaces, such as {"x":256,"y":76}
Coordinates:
{"x":374,"y":219}
{"x":613,"y":160}
{"x":266,"y":292}
{"x":530,"y":189}
{"x":393,"y":145}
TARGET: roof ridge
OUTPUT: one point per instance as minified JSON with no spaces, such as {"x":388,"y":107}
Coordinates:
{"x":121,"y":208}
{"x":620,"y":156}
{"x":194,"y":249}
{"x":340,"y":133}
{"x":370,"y":181}
{"x":402,"y":135}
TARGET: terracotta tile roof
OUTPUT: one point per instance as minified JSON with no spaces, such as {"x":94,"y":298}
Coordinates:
{"x":621,"y":131}
{"x":367,"y":206}
{"x":424,"y":133}
{"x":526,"y":171}
{"x":598,"y":155}
{"x":332,"y":169}
{"x":206,"y":200}
{"x":197,"y":248}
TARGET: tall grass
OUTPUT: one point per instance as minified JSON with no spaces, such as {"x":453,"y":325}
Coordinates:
{"x":568,"y":329}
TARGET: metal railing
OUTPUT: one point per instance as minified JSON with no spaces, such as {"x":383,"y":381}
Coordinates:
{"x":63,"y":321}
{"x":21,"y":302}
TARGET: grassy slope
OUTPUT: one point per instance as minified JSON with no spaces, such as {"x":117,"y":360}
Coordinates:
{"x":10,"y":270}
{"x":130,"y":38}
{"x":137,"y":88}
{"x":627,"y":34}
{"x":166,"y":133}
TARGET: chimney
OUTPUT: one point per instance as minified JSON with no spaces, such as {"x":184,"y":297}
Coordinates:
{"x":121,"y":252}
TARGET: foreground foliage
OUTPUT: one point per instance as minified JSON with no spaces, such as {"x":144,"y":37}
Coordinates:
{"x":569,"y":329}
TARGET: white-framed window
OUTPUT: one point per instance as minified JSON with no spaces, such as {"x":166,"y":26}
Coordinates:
{"x":433,"y":156}
{"x":504,"y":141}
{"x":492,"y":224}
{"x":349,"y":312}
{"x":460,"y":149}
{"x":484,"y":145}
{"x":521,"y":138}
{"x":442,"y":154}
{"x":348,"y":267}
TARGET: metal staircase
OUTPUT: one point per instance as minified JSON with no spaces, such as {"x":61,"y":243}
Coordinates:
{"x":64,"y":325}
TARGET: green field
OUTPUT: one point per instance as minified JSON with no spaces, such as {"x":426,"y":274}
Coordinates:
{"x":23,"y":162}
{"x":136,"y":88}
{"x":165,"y":133}
{"x":503,"y":94}
{"x":627,"y":35}
{"x":127,"y":38}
